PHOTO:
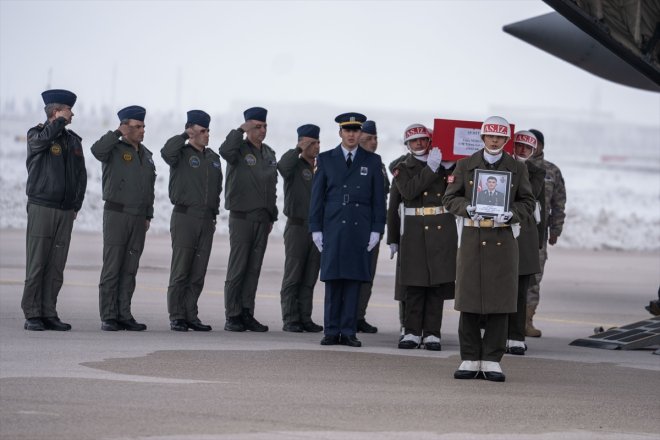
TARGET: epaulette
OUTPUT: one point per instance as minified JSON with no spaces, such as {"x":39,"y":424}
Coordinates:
{"x":74,"y":134}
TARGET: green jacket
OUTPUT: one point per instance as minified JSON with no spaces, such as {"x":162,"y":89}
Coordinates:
{"x":297,"y":174}
{"x":129,"y":176}
{"x":195,"y":176}
{"x":251,"y":175}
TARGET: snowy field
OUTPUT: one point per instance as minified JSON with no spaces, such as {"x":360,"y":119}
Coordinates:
{"x":612,"y":170}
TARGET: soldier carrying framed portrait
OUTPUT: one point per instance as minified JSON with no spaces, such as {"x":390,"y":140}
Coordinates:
{"x":491,"y":191}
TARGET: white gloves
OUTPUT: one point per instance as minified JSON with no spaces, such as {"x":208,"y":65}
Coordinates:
{"x":394,"y":248}
{"x":434,"y":159}
{"x":317,"y":238}
{"x":504,"y":217}
{"x":472,"y":212}
{"x":374,"y":238}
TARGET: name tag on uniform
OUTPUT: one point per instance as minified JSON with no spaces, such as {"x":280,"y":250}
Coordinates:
{"x":364,"y":171}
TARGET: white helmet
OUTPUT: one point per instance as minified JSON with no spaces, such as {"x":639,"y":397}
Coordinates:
{"x":496,"y":126}
{"x":525,"y":137}
{"x":415,"y":131}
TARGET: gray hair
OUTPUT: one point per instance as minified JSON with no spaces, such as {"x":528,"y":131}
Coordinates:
{"x":50,"y":109}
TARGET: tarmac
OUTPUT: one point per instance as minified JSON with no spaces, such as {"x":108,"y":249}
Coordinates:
{"x":159,"y":384}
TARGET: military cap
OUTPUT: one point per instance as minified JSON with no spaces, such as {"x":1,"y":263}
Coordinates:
{"x":538,"y":134}
{"x":369,"y":127}
{"x":199,"y":117}
{"x":351,"y":120}
{"x":132,"y":112}
{"x":309,"y":130}
{"x":59,"y":96}
{"x":256,"y":113}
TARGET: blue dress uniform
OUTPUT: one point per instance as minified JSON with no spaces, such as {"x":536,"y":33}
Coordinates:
{"x":348,"y":203}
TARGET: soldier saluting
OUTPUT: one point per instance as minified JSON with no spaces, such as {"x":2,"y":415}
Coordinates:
{"x":250,"y":195}
{"x":195,"y":187}
{"x":129,"y":176}
{"x":56,"y":185}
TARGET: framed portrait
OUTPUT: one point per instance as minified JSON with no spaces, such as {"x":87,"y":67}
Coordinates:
{"x":491,"y":192}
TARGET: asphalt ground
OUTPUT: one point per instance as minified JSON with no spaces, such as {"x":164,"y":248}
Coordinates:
{"x":159,"y":384}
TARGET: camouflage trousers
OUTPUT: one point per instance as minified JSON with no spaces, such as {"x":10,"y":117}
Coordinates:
{"x":534,"y":291}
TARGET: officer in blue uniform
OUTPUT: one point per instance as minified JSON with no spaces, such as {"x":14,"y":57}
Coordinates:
{"x":346,"y":218}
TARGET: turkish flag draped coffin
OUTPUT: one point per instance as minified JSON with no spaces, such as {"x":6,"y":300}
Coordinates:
{"x":459,"y":139}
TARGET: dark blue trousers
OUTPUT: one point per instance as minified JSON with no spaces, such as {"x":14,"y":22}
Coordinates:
{"x":341,"y":307}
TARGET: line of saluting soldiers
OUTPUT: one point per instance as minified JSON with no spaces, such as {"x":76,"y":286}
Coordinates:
{"x":335,"y":203}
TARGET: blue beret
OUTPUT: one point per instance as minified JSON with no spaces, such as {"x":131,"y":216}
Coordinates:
{"x":369,"y":127}
{"x":351,"y":120}
{"x":59,"y":96}
{"x":309,"y":130}
{"x":538,"y":134}
{"x":256,"y":113}
{"x":132,"y":112}
{"x":199,"y":117}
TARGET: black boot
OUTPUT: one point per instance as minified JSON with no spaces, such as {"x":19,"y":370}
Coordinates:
{"x":252,"y":324}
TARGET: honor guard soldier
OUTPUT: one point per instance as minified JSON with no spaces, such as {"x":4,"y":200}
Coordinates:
{"x":250,"y":193}
{"x":369,"y":141}
{"x":427,"y":246}
{"x":487,"y":262}
{"x":346,"y":218}
{"x":393,"y":240}
{"x":129,"y":176}
{"x":303,"y":260}
{"x":529,"y":242}
{"x":195,"y":187}
{"x":56,"y":185}
{"x":552,"y":223}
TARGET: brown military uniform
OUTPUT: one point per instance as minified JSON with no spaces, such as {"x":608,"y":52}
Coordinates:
{"x":427,"y":246}
{"x":487,"y":271}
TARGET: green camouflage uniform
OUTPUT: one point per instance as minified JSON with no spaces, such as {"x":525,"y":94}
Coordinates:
{"x":555,"y":204}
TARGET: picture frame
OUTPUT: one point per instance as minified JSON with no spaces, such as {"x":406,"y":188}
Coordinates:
{"x":491,"y":192}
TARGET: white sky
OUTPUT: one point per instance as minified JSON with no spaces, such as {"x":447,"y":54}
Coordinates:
{"x":445,"y":57}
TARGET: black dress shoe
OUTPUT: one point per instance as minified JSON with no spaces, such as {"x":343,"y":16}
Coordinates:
{"x":351,"y":341}
{"x":132,"y":325}
{"x":466,"y":374}
{"x":330,"y":340}
{"x":34,"y":324}
{"x":494,"y":376}
{"x":234,"y":324}
{"x":111,"y":326}
{"x":520,"y":351}
{"x":198,"y":326}
{"x":251,"y":323}
{"x":311,"y":327}
{"x":294,"y":327}
{"x":364,"y":327}
{"x":178,"y":325}
{"x":56,"y":324}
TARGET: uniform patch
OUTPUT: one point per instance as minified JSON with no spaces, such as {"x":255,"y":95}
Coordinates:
{"x":450,"y":179}
{"x":307,"y":174}
{"x":250,"y":159}
{"x":216,"y":165}
{"x":364,"y":171}
{"x":78,"y":151}
{"x":193,"y":161}
{"x":127,"y":157}
{"x":56,"y":149}
{"x":395,"y":173}
{"x":272,"y":163}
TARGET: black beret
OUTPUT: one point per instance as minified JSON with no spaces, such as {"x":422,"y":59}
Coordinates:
{"x":369,"y":127}
{"x":309,"y":130}
{"x":199,"y":117}
{"x":59,"y":96}
{"x":132,"y":112}
{"x":255,"y":113}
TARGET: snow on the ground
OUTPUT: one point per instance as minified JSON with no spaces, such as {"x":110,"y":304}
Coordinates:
{"x":613,"y":196}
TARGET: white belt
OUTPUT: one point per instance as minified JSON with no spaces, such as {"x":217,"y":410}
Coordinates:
{"x":430,"y":210}
{"x":485,"y":223}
